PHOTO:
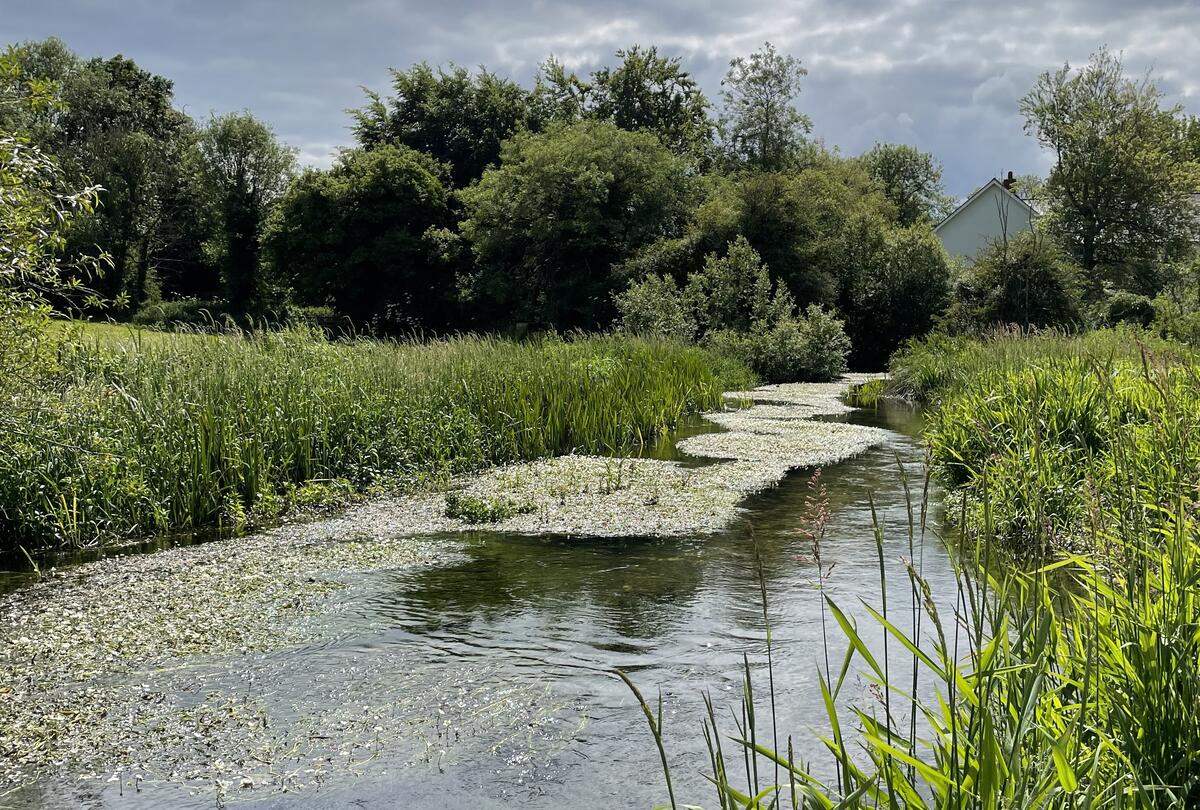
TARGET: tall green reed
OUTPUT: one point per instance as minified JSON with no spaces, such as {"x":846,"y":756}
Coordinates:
{"x":1068,"y":673}
{"x":135,"y":437}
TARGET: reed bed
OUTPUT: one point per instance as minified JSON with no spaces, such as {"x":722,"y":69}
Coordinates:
{"x":1068,"y":674}
{"x":133,"y":437}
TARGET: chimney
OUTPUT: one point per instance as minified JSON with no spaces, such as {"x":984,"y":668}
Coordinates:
{"x":1009,"y":181}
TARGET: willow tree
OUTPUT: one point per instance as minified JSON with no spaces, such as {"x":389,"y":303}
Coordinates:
{"x":37,"y":206}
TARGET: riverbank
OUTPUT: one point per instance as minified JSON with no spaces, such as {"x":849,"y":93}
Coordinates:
{"x":82,"y":693}
{"x":125,"y":439}
{"x":1067,"y":672}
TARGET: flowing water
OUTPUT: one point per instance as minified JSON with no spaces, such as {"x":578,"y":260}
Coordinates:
{"x":488,"y":681}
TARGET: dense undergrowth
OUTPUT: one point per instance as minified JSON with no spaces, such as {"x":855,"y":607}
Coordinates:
{"x":134,"y":436}
{"x":1073,"y":437}
{"x":1069,"y":673}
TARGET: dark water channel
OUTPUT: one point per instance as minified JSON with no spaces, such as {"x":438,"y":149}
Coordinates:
{"x":507,"y":652}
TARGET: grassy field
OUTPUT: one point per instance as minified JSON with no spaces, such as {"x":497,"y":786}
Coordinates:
{"x":134,"y":432}
{"x":1069,"y":676}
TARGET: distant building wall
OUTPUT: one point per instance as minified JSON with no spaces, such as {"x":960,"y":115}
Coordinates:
{"x":987,"y":216}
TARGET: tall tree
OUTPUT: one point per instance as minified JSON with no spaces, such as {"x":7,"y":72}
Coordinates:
{"x":760,"y":125}
{"x":459,"y":118}
{"x":644,"y":92}
{"x":241,"y":169}
{"x":121,"y":131}
{"x":911,"y":180}
{"x":32,"y":84}
{"x":563,"y":207}
{"x":1120,"y":191}
{"x":355,"y":237}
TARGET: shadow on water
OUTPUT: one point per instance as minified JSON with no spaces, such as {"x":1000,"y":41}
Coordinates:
{"x":678,"y":614}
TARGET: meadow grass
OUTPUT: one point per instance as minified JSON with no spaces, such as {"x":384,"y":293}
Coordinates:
{"x":131,"y":435}
{"x":1068,"y":675}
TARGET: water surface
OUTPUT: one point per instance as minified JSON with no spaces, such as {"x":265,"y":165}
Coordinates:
{"x":491,"y":677}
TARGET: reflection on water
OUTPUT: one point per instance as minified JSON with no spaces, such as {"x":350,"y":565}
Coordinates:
{"x":556,"y":616}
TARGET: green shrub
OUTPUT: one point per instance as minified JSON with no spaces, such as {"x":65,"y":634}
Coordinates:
{"x":655,"y":306}
{"x":899,"y":292}
{"x":184,"y":312}
{"x":1127,"y":307}
{"x":736,"y":311}
{"x":1026,"y":281}
{"x":813,"y":347}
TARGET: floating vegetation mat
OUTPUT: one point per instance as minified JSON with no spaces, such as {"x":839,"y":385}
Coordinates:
{"x":80,"y":643}
{"x":606,"y":497}
{"x":168,"y":669}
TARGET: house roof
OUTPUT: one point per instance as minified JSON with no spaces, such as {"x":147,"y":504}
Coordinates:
{"x":979,"y":192}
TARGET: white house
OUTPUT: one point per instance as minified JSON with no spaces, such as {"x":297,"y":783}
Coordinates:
{"x":991,"y":213}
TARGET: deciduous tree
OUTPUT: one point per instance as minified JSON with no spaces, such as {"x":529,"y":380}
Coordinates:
{"x":911,"y":180}
{"x":241,"y":169}
{"x":547,"y":225}
{"x":1120,"y":190}
{"x":760,"y":125}
{"x":458,"y":117}
{"x":644,"y":92}
{"x":354,"y":237}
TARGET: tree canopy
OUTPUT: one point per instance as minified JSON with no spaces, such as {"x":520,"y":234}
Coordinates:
{"x":644,"y":92}
{"x":457,"y":117}
{"x":354,"y":237}
{"x":547,"y":225}
{"x":760,"y":125}
{"x":911,"y":180}
{"x":241,"y":170}
{"x":1120,"y":190}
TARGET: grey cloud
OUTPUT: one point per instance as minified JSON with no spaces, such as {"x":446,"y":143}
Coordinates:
{"x":944,"y":75}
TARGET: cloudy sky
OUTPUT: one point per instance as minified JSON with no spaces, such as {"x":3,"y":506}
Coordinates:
{"x":944,"y":75}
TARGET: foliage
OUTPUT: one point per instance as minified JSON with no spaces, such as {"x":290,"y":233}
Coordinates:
{"x":354,"y":237}
{"x":759,"y":125}
{"x":809,"y":227}
{"x":472,"y":509}
{"x":458,"y":118}
{"x":655,"y":306}
{"x":826,"y":235}
{"x":734,"y":291}
{"x":809,"y":347}
{"x":37,"y":208}
{"x":645,"y":92}
{"x":240,"y":170}
{"x":564,"y":206}
{"x":911,"y":180}
{"x":1025,"y":281}
{"x":139,"y":436}
{"x":898,"y":292}
{"x":733,"y":308}
{"x":1127,"y":307}
{"x":1120,"y":191}
{"x":116,"y":128}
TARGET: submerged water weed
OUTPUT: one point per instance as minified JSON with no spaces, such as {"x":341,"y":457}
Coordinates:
{"x":131,"y":438}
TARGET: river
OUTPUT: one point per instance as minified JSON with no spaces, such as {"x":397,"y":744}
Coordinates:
{"x":488,"y":681}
